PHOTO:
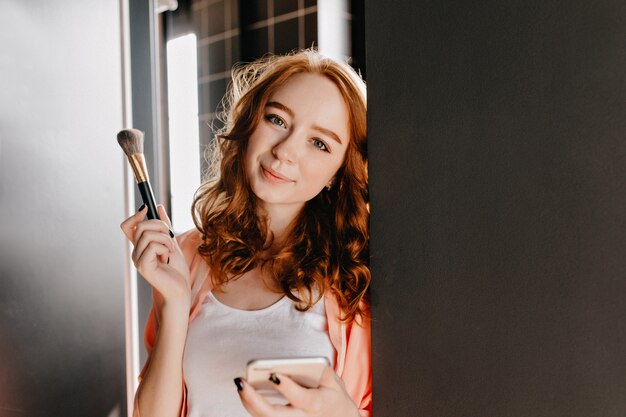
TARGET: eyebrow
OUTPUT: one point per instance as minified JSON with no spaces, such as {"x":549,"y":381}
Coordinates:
{"x":315,"y":127}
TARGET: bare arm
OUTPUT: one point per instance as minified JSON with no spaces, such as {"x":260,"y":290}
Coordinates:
{"x":160,"y":261}
{"x":160,"y":392}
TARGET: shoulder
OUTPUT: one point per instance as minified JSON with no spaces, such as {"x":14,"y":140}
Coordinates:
{"x":199,"y":270}
{"x":355,"y":332}
{"x":191,"y":236}
{"x":333,"y":310}
{"x":189,"y":242}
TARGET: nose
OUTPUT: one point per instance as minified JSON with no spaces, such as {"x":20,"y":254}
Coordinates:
{"x":287,"y":149}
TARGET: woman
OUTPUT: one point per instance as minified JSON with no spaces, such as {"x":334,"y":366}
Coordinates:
{"x":278,"y":263}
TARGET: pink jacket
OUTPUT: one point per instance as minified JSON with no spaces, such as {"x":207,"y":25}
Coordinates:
{"x":352,"y":342}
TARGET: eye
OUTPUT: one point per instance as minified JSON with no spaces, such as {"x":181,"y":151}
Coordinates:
{"x":319,"y":144}
{"x":272,"y":118}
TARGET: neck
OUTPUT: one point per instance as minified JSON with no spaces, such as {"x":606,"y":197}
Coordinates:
{"x":279,"y":217}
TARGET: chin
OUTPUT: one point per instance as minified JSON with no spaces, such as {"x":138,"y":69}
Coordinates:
{"x":267,"y":196}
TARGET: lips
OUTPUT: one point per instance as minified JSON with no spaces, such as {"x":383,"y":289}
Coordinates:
{"x":274,"y":176}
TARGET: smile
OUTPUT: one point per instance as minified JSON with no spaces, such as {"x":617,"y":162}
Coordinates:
{"x":274,"y":177}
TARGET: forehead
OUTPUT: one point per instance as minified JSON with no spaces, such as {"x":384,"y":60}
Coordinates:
{"x":315,"y":99}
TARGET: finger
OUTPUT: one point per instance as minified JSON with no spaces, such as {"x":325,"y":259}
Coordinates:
{"x":296,"y":394}
{"x":152,"y":236}
{"x":163,"y":216}
{"x":128,"y":225}
{"x":151,"y":225}
{"x":254,"y":402}
{"x":258,"y":406}
{"x":148,"y":259}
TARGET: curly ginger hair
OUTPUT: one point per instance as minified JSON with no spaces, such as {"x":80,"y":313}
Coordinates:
{"x":327,"y":246}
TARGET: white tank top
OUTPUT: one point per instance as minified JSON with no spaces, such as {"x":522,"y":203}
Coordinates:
{"x":221,"y":340}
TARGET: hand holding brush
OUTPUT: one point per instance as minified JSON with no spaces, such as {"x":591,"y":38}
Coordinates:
{"x":152,"y":238}
{"x":131,"y":141}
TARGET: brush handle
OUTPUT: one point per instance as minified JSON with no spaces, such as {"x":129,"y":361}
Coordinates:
{"x":148,"y":199}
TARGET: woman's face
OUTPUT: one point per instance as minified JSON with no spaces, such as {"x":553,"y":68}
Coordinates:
{"x":300,"y":142}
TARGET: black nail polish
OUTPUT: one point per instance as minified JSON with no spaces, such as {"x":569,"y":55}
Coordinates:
{"x":171,"y":234}
{"x":141,"y":208}
{"x":239,"y":384}
{"x":168,"y":260}
{"x":274,"y":378}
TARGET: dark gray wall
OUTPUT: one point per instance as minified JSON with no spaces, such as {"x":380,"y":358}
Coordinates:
{"x":61,"y":201}
{"x":498,"y":183}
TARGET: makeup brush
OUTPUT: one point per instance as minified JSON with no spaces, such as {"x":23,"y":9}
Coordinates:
{"x":131,"y":141}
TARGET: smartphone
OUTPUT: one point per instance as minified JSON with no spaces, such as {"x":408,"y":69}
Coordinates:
{"x":306,"y":371}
